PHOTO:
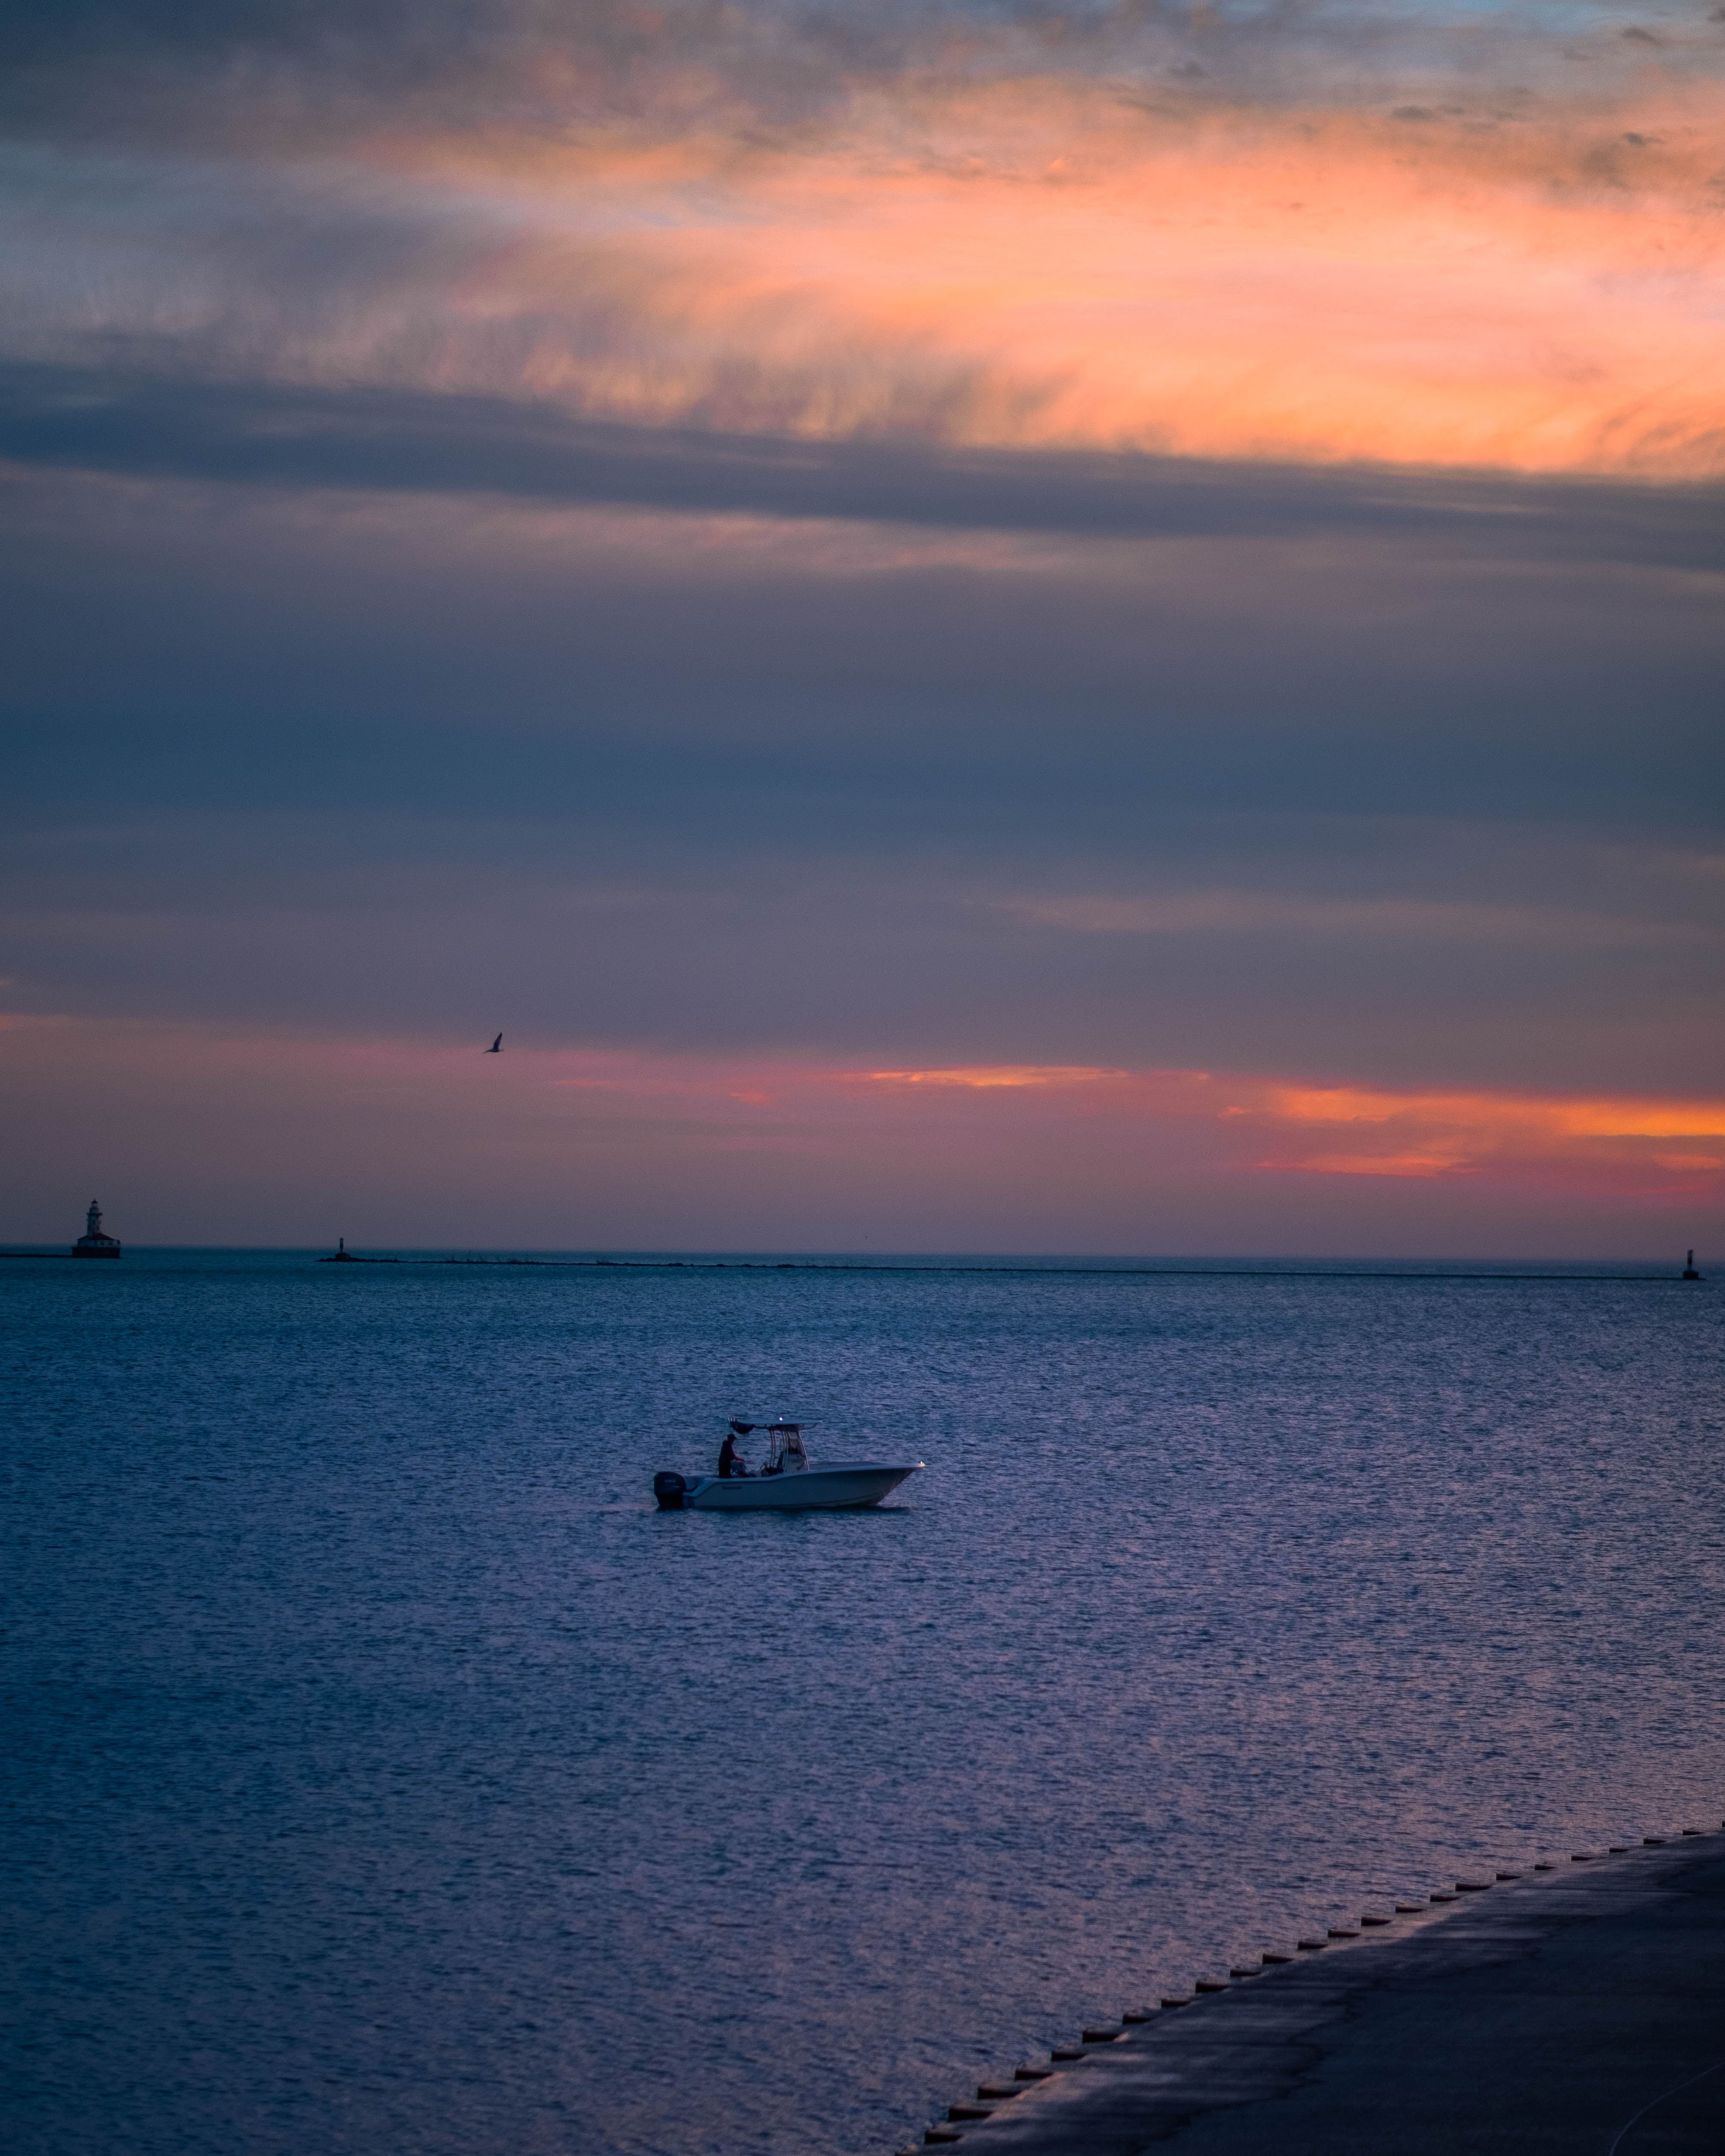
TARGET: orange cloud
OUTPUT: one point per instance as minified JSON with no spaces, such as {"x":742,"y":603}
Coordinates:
{"x":1256,"y":1123}
{"x":1467,"y":1132}
{"x":987,"y":1076}
{"x":1535,"y":287}
{"x":1645,"y":1119}
{"x":1579,"y":1118}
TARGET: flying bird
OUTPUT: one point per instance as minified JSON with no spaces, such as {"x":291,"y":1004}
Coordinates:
{"x":497,"y":1046}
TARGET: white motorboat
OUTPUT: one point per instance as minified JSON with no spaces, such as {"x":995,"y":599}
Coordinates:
{"x":790,"y":1481}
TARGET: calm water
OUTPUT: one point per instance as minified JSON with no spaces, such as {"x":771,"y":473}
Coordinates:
{"x":384,"y":1775}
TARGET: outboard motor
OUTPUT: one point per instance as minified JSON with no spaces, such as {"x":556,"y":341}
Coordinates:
{"x":668,"y":1487}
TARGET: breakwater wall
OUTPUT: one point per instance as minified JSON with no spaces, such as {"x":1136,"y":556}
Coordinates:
{"x":1577,"y":2004}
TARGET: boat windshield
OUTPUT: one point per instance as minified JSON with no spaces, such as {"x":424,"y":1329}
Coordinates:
{"x":785,"y":1451}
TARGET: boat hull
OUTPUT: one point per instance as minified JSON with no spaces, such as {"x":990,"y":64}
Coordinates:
{"x":815,"y":1490}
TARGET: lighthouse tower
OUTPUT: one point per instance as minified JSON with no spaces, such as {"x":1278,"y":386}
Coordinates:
{"x":92,"y":1243}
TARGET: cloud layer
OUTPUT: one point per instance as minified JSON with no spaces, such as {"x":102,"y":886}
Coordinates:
{"x":1404,"y":241}
{"x":588,"y":1151}
{"x":942,"y":538}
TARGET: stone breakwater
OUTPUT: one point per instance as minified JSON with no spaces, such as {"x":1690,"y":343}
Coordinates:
{"x":1578,"y":2005}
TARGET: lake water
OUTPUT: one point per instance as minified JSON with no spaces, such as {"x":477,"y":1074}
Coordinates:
{"x":384,"y":1774}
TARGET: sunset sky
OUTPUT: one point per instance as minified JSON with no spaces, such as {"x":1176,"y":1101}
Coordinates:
{"x":978,"y":628}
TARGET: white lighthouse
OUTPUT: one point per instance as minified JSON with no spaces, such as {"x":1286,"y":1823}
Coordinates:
{"x":92,"y":1243}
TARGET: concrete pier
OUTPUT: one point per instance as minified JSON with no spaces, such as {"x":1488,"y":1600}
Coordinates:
{"x":1580,"y":2010}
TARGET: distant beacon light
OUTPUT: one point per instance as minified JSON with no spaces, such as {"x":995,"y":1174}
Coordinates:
{"x":92,"y":1243}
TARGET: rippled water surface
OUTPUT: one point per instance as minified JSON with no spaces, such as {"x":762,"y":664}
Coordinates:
{"x":384,"y":1774}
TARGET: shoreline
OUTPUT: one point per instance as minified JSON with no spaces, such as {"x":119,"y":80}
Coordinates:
{"x":1578,"y":2008}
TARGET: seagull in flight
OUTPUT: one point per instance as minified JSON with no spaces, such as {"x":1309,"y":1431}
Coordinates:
{"x":497,"y":1046}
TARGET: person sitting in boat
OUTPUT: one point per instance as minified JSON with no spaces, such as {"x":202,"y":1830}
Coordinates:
{"x":730,"y":1461}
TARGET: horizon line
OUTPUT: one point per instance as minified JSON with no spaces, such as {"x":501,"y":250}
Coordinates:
{"x":1244,"y":1266}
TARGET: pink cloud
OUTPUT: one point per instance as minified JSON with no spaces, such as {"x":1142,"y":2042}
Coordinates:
{"x":214,"y":1134}
{"x":1049,"y":263}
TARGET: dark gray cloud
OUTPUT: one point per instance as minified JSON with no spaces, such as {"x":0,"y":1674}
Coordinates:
{"x":246,"y":648}
{"x":387,"y":759}
{"x":316,"y":69}
{"x":744,"y":939}
{"x":230,"y":72}
{"x":251,"y":433}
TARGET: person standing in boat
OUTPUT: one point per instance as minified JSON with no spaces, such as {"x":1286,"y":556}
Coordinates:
{"x":730,"y":1461}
